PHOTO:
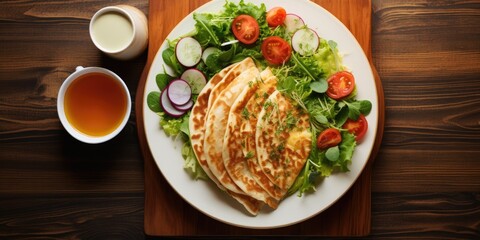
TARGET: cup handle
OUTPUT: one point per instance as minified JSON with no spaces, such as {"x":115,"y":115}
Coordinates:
{"x":78,"y":68}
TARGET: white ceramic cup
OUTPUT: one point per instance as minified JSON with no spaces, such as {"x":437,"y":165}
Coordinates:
{"x":80,"y":71}
{"x":133,"y":43}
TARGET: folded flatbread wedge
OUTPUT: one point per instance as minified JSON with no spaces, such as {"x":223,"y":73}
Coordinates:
{"x":234,"y":159}
{"x":283,"y":140}
{"x":248,"y":129}
{"x":198,"y":116}
{"x":216,"y":124}
{"x":197,"y":122}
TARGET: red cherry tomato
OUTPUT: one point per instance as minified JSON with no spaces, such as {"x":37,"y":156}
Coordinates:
{"x":329,"y":138}
{"x":340,"y":85}
{"x":276,"y":50}
{"x":276,"y":16}
{"x":357,"y":128}
{"x":246,"y":29}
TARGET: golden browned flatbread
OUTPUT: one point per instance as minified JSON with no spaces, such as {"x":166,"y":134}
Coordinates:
{"x":197,"y":124}
{"x":216,"y":125}
{"x":283,"y":140}
{"x":197,"y":121}
{"x":234,"y":159}
{"x":248,"y":129}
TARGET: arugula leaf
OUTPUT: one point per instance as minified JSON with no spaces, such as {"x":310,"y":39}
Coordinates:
{"x":205,"y":33}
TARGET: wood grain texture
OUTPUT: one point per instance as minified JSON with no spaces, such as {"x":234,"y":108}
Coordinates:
{"x":112,"y":216}
{"x":425,"y":179}
{"x":48,"y":179}
{"x":41,"y":44}
{"x":426,"y":215}
{"x":428,"y":53}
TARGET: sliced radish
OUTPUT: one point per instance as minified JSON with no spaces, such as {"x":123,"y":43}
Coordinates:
{"x":208,"y":51}
{"x":195,"y":78}
{"x":168,"y":107}
{"x":188,"y":51}
{"x":184,"y":107}
{"x":293,"y":22}
{"x":179,"y":92}
{"x":305,"y":41}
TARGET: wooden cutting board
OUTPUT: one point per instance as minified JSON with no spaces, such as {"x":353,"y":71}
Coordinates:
{"x":167,"y":214}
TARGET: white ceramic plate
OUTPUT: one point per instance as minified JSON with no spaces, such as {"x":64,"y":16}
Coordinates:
{"x":204,"y":195}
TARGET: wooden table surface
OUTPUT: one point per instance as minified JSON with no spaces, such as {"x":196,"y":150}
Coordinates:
{"x":426,"y":178}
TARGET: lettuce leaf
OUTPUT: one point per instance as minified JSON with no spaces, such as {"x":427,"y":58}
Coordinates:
{"x":178,"y":128}
{"x":170,"y":125}
{"x":191,"y":164}
{"x":327,"y":57}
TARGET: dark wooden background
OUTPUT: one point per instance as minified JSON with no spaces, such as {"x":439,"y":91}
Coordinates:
{"x":426,"y":181}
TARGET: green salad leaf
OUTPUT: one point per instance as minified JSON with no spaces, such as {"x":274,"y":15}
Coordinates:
{"x":168,"y":56}
{"x":333,"y":153}
{"x":171,"y":126}
{"x":191,"y":164}
{"x":207,"y":33}
{"x":153,"y":101}
{"x":162,"y":80}
{"x":320,"y":86}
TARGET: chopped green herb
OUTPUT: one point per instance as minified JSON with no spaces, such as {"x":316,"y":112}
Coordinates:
{"x":249,"y":155}
{"x":245,"y":113}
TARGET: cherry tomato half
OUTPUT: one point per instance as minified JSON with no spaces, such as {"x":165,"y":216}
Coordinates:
{"x":330,"y":137}
{"x":246,"y":29}
{"x":276,"y":16}
{"x":357,"y":128}
{"x":340,"y":85}
{"x":276,"y":50}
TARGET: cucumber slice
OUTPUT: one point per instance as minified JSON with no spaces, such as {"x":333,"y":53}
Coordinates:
{"x":208,"y":51}
{"x":188,"y":51}
{"x":293,"y":22}
{"x":195,"y":78}
{"x":305,"y":41}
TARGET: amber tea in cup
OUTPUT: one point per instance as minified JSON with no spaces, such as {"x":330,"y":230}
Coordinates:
{"x":93,"y":104}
